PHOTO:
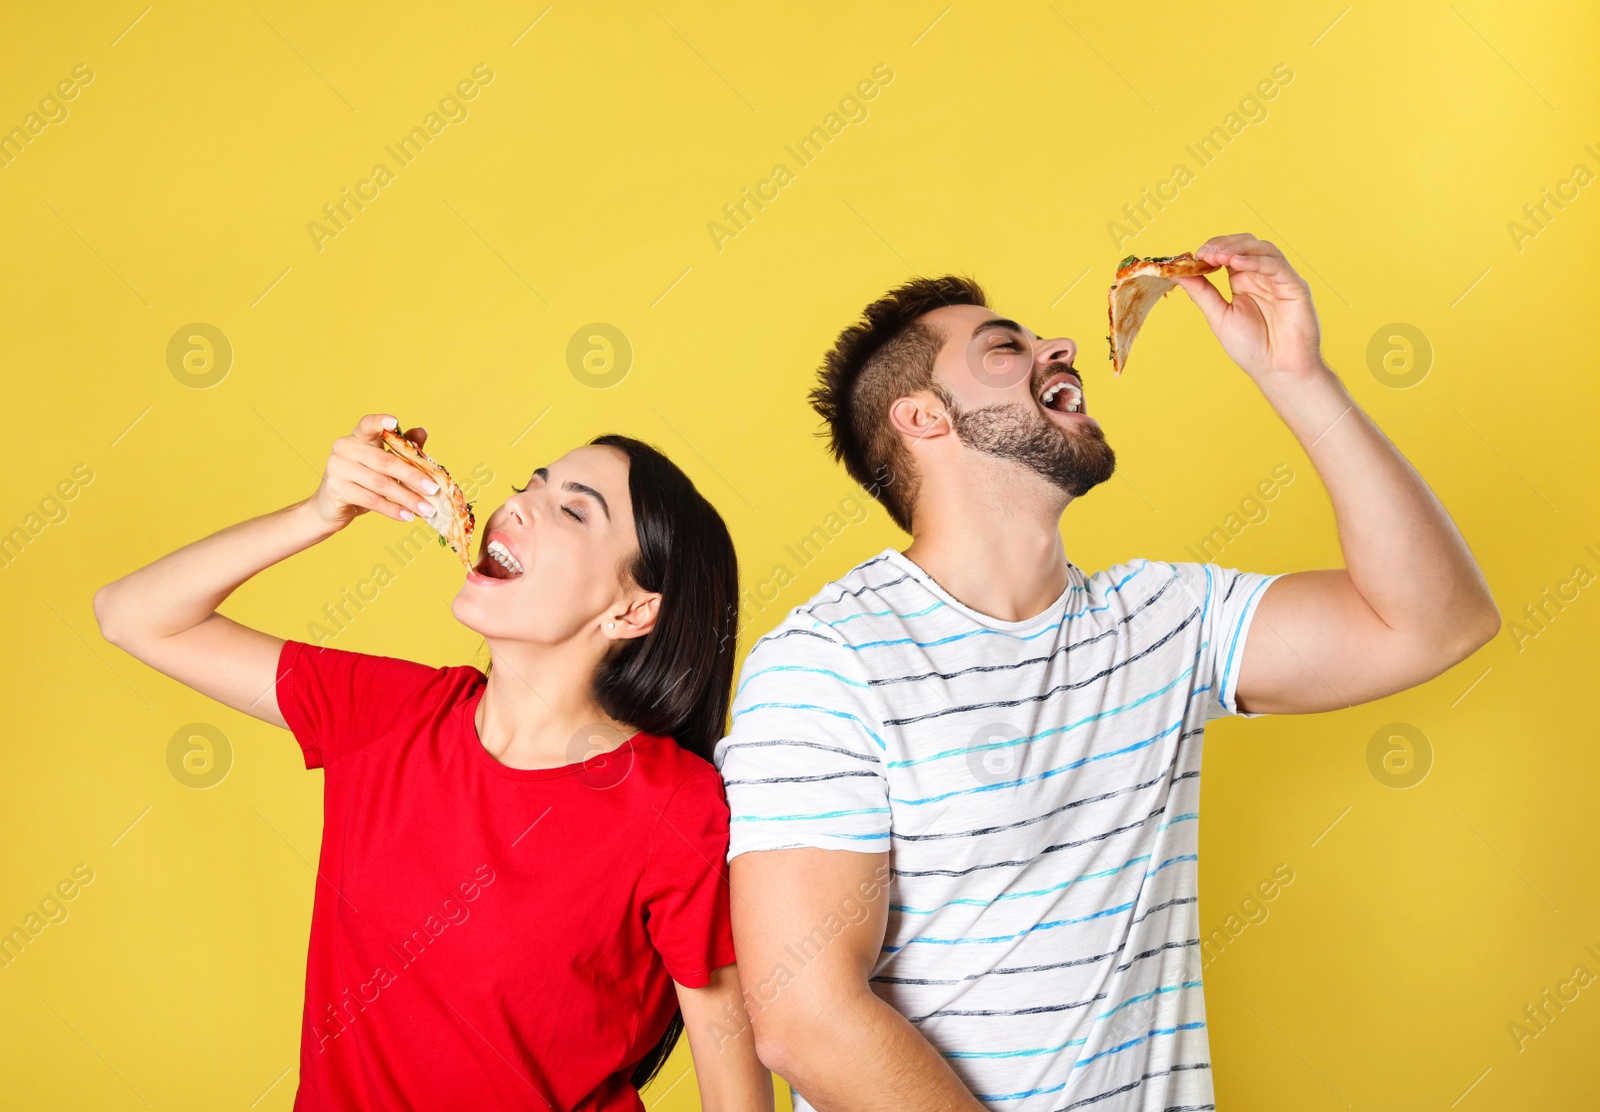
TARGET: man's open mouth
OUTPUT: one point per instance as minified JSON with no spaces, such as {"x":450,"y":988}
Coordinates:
{"x":1062,"y":393}
{"x":498,"y":562}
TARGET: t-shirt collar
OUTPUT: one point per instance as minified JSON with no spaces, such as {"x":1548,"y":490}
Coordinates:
{"x":1076,"y":583}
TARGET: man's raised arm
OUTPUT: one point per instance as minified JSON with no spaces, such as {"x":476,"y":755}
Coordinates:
{"x":1410,"y":601}
{"x":808,"y":925}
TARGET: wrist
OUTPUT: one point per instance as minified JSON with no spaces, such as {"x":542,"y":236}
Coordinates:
{"x":309,"y":522}
{"x":1310,"y":399}
{"x":1293,"y":374}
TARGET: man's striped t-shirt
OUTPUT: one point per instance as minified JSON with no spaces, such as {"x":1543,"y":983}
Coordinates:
{"x":1037,"y":786}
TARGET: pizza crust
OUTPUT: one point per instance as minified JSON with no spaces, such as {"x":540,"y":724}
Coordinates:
{"x":452,"y":518}
{"x":1139,"y":284}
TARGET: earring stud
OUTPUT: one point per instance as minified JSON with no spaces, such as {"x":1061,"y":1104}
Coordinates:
{"x":611,"y":625}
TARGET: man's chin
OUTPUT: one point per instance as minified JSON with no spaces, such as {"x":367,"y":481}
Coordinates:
{"x":1076,"y":459}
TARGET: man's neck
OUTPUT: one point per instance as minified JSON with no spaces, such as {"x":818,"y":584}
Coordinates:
{"x":992,"y":539}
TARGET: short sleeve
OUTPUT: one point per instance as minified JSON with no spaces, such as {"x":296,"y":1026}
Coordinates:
{"x":1230,"y":598}
{"x":335,"y":701}
{"x":803,"y":762}
{"x":684,"y":890}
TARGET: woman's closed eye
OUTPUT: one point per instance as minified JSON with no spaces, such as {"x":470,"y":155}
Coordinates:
{"x":577,"y":513}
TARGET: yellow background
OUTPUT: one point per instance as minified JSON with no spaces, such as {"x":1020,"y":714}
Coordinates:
{"x":1420,"y":923}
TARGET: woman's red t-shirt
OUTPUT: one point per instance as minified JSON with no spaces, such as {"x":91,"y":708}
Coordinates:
{"x":488,"y":937}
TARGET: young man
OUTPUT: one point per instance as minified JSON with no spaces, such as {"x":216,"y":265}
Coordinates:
{"x":965,"y":778}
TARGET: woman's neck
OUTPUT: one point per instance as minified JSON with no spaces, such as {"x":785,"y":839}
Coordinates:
{"x":535,"y":713}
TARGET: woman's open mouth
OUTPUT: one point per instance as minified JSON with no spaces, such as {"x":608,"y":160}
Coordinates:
{"x":498,"y":562}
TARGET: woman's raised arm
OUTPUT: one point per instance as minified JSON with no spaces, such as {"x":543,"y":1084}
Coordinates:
{"x":165,"y":614}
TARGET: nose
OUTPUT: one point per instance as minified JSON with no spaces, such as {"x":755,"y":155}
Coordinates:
{"x":1059,"y":350}
{"x":516,"y":511}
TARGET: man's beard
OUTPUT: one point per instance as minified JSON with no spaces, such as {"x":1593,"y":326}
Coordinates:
{"x":1075,"y":460}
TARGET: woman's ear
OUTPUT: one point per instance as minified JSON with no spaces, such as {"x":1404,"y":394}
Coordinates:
{"x":637,"y":620}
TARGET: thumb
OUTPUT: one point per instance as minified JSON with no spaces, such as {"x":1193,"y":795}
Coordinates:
{"x":1205,"y":295}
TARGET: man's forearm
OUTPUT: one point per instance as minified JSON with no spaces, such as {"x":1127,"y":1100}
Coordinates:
{"x":1401,"y":549}
{"x":183,"y":588}
{"x":865,"y":1055}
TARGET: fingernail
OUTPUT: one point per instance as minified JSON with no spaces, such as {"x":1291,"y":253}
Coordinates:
{"x":390,"y":422}
{"x":406,"y":515}
{"x":430,"y":486}
{"x":425,"y":509}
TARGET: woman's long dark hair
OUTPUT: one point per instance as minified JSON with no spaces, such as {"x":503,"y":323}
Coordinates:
{"x":676,"y":680}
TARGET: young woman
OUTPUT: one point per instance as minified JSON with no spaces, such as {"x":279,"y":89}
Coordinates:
{"x":521,"y":898}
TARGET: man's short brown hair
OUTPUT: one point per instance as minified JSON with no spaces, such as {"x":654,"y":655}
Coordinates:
{"x":886,"y":355}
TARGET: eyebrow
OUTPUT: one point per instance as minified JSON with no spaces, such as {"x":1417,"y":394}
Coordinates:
{"x":999,"y":323}
{"x":578,"y":488}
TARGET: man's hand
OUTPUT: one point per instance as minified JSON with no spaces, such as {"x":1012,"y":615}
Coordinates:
{"x":1270,"y":325}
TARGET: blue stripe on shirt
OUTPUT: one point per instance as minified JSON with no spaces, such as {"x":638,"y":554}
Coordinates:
{"x":1234,"y":645}
{"x":820,"y":710}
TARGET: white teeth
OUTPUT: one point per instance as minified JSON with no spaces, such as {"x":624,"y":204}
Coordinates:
{"x":502,"y":556}
{"x":1073,"y":405}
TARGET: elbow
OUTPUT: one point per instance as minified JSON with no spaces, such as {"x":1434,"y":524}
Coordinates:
{"x":105,"y":613}
{"x":1484,"y":625}
{"x":788,"y":1043}
{"x":776,"y":1047}
{"x":1471,"y":631}
{"x":1491,"y":623}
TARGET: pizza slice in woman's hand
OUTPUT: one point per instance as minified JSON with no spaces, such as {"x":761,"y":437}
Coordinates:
{"x":452,"y":517}
{"x":1140,"y":283}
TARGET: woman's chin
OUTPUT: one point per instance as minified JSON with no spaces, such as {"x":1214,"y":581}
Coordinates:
{"x":470,"y":615}
{"x":488,"y":621}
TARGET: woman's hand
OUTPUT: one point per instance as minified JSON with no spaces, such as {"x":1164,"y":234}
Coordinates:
{"x":1270,"y":325}
{"x":363,"y":475}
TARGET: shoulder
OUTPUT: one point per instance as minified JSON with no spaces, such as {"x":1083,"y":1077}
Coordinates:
{"x":307,"y":653}
{"x":839,"y":613}
{"x":376,"y":668}
{"x":1131,"y":577}
{"x":683,"y":797}
{"x":1126,"y":588}
{"x":673,"y":776}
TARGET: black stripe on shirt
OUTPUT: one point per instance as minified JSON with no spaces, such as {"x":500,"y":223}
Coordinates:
{"x":806,"y":744}
{"x":1002,"y":970}
{"x":1193,"y":614}
{"x":813,"y":779}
